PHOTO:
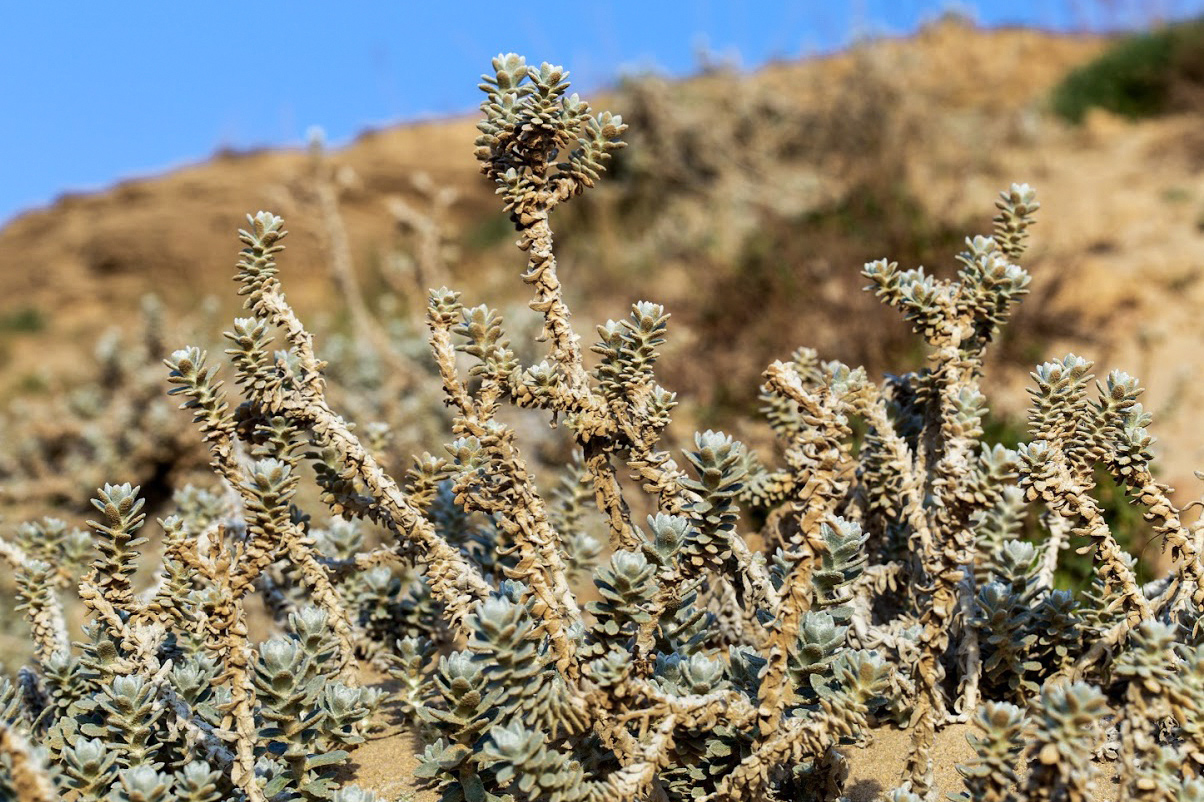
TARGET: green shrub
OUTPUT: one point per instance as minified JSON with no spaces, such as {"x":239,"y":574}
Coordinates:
{"x":1143,"y":75}
{"x":25,"y":320}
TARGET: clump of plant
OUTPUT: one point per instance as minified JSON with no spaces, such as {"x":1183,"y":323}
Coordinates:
{"x":886,"y":586}
{"x":741,"y":197}
{"x":1141,"y":75}
{"x":116,"y":419}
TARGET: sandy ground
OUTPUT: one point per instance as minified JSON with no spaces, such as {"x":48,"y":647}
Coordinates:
{"x":385,"y":766}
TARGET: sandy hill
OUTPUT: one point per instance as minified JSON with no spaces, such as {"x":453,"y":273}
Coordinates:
{"x":952,"y":115}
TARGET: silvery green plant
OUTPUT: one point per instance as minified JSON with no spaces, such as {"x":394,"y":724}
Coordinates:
{"x":886,"y":582}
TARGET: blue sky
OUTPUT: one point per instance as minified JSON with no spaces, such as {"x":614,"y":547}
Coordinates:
{"x":95,"y":92}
